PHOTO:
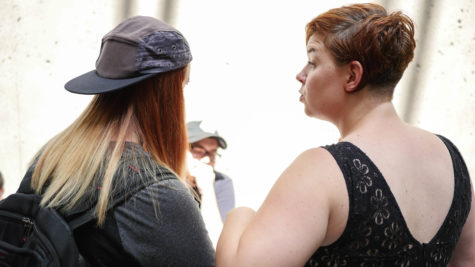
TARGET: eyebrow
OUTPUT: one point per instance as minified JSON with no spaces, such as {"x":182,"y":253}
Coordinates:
{"x":310,"y":50}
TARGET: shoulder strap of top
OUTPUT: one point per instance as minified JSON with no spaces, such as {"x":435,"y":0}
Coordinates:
{"x":371,"y":203}
{"x":341,"y":153}
{"x":357,"y":168}
{"x":458,"y":213}
{"x":457,"y":160}
{"x":361,"y":176}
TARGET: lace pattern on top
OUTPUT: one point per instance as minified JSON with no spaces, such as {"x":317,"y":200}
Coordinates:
{"x":376,"y":233}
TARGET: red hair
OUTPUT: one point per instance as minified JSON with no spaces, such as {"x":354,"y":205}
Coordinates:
{"x":152,"y":109}
{"x":159,"y":110}
{"x":383,"y":44}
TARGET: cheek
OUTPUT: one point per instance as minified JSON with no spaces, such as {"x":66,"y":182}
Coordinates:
{"x":313,"y":87}
{"x":323,"y":82}
{"x":313,"y":97}
{"x":321,"y":93}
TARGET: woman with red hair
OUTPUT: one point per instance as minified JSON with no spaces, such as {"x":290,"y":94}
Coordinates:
{"x":388,"y":193}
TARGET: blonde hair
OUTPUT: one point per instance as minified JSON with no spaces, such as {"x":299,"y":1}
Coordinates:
{"x":87,"y":154}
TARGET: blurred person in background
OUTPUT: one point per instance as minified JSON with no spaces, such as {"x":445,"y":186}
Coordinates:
{"x":387,"y":193}
{"x":214,"y":189}
{"x":131,"y":138}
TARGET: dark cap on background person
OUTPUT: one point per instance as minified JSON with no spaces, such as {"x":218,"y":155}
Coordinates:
{"x":197,"y":133}
{"x":138,"y":48}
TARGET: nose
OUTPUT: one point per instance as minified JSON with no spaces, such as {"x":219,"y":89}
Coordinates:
{"x":301,"y":77}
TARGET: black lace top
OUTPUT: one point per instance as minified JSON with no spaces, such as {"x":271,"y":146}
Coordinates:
{"x":376,"y":233}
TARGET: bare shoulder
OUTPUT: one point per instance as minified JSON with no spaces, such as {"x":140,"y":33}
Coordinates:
{"x":299,"y":209}
{"x":315,"y":181}
{"x":315,"y":161}
{"x":315,"y":153}
{"x":315,"y":169}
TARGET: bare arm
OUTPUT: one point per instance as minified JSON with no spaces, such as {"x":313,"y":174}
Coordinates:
{"x":464,"y":254}
{"x":291,"y":223}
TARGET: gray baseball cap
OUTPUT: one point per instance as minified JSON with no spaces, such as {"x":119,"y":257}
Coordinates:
{"x":196,"y":133}
{"x":138,"y":48}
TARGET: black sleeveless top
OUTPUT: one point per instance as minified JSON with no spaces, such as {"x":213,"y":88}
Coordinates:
{"x":376,"y":233}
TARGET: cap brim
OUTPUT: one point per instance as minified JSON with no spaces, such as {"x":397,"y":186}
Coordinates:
{"x":90,"y":83}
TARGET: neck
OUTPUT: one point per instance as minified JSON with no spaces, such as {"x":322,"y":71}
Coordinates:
{"x":364,"y":115}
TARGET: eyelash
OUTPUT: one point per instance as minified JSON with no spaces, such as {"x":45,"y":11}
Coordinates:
{"x":311,"y":63}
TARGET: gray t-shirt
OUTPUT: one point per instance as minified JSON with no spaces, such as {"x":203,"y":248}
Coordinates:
{"x":160,"y":225}
{"x":175,"y":235}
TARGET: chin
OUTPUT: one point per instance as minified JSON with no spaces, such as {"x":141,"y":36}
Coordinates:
{"x":313,"y":114}
{"x":309,"y":112}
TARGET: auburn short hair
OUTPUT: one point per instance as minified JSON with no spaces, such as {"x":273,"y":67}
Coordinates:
{"x":383,"y":43}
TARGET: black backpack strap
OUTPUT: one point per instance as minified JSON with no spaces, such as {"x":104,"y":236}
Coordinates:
{"x":81,"y":220}
{"x":25,"y":185}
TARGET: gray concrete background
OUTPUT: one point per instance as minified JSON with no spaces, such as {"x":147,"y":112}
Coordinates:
{"x":246,"y":55}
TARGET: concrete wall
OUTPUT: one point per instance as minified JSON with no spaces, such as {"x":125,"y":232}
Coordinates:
{"x":246,"y":55}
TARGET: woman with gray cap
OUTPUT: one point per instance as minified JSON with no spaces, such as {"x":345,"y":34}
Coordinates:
{"x":132,"y":136}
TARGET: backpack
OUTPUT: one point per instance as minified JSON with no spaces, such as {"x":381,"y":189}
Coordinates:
{"x":31,"y":235}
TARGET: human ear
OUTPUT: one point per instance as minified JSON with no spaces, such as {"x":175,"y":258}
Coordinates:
{"x":355,"y":72}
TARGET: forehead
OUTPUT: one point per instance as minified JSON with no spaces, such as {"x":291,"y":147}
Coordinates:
{"x":315,"y":44}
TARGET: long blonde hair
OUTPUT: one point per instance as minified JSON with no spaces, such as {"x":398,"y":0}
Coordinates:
{"x":69,"y":163}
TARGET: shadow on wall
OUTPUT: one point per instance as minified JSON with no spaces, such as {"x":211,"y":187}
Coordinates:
{"x":422,"y":35}
{"x":413,"y":85}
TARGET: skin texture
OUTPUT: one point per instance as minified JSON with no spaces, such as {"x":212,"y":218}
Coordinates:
{"x":320,"y":92}
{"x":308,"y":205}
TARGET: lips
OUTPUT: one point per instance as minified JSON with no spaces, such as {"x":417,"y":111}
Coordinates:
{"x":301,"y":96}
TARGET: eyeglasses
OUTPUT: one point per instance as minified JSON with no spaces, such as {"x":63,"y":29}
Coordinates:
{"x":201,"y":152}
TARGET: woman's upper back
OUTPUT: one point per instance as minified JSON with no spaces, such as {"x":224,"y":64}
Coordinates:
{"x":418,"y":168}
{"x":160,"y":225}
{"x":156,"y":221}
{"x":401,"y":200}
